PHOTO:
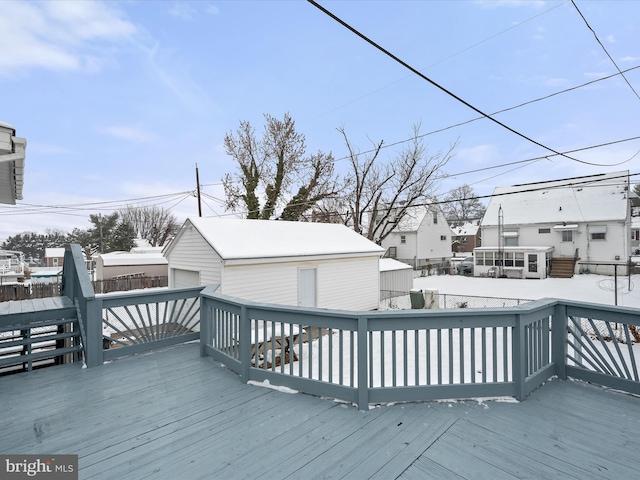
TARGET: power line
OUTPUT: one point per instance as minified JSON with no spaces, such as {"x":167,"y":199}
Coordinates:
{"x":518,"y":24}
{"x":475,"y":119}
{"x":437,"y":85}
{"x":603,"y":48}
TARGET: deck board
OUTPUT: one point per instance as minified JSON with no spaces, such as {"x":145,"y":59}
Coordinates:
{"x":173,"y":414}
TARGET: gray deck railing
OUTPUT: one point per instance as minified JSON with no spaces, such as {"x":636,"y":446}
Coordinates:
{"x":128,"y":323}
{"x":373,"y":357}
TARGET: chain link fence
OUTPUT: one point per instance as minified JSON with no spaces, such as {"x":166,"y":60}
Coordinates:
{"x":390,"y":300}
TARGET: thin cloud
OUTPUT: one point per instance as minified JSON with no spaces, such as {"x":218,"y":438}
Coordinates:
{"x":58,"y":35}
{"x":212,"y":10}
{"x":128,"y":132}
{"x":183,"y":11}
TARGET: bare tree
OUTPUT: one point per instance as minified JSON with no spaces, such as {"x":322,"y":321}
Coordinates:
{"x":153,"y":223}
{"x":270,"y":168}
{"x":380,"y":194}
{"x":461,"y":205}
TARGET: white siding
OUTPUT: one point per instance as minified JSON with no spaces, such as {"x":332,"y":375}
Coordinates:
{"x":349,"y":284}
{"x":345,"y":284}
{"x":192,"y":252}
{"x":430,"y":245}
{"x":396,"y":280}
{"x":268,"y":283}
{"x":616,"y":243}
{"x":407,"y":250}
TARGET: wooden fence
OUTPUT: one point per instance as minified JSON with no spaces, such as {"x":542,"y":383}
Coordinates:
{"x":19,"y":291}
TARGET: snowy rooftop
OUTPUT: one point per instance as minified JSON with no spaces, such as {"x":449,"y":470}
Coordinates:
{"x":585,"y":199}
{"x":126,"y":258}
{"x":469,"y":228}
{"x":389,"y":264}
{"x":54,"y":252}
{"x":239,"y":239}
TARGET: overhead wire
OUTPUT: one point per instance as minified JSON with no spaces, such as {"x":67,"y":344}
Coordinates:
{"x":440,"y":87}
{"x":605,"y":50}
{"x":516,"y":25}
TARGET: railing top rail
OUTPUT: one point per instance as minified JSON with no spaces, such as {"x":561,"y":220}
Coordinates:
{"x":147,"y":295}
{"x":527,"y":308}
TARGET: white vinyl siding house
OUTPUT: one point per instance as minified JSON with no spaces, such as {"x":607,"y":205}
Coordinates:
{"x":290,"y":263}
{"x":421,"y":238}
{"x":587,"y":218}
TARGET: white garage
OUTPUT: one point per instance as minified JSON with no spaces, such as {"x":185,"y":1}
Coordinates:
{"x":290,"y":263}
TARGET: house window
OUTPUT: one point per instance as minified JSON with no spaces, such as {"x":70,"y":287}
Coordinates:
{"x":519,"y":259}
{"x":598,"y":232}
{"x":508,"y":259}
{"x":567,"y":235}
{"x":635,"y":235}
{"x":435,"y":217}
{"x":533,"y":263}
{"x":479,"y":258}
{"x":510,"y":241}
{"x":403,"y":239}
{"x":463,"y":239}
{"x":443,"y":237}
{"x":544,"y":230}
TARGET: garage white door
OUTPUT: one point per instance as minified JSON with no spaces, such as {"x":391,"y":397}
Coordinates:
{"x":185,"y":278}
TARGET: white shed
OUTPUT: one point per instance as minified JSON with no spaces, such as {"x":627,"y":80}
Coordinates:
{"x":396,"y":278}
{"x":291,"y":263}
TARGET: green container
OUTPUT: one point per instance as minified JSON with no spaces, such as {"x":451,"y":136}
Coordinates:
{"x":417,"y":299}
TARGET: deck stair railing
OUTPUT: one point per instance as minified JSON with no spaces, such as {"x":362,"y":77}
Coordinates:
{"x":374,"y":357}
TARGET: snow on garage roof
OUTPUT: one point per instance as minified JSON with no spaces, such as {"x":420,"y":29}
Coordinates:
{"x":242,"y":239}
{"x":125,"y":258}
{"x":584,"y":199}
{"x":389,"y":264}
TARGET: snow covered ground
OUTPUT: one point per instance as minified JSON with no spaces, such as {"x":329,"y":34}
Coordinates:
{"x":586,"y":288}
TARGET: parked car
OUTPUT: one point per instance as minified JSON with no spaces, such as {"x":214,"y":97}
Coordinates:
{"x":465,"y":267}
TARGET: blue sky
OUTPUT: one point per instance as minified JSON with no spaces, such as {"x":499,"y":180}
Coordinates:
{"x":118,"y":101}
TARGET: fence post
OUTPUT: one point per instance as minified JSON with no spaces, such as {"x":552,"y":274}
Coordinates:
{"x":245,"y":344}
{"x":559,"y":325}
{"x":363,"y":363}
{"x":519,"y":356}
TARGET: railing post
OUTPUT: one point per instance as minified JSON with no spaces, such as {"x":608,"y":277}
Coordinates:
{"x":559,"y":340}
{"x":245,"y":344}
{"x":93,"y":318}
{"x":205,"y":325}
{"x":363,"y":364}
{"x":519,"y":354}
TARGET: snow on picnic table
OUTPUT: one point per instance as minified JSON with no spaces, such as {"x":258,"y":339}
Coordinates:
{"x":585,"y":288}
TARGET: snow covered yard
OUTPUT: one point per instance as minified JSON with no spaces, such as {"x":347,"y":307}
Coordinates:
{"x":585,"y":288}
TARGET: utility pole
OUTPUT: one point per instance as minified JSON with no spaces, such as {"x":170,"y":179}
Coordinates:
{"x":198,"y":190}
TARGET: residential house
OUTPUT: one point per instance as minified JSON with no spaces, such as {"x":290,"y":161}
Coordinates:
{"x":466,"y":236}
{"x":582,"y":223}
{"x":12,"y":154}
{"x":422,"y":238}
{"x":291,"y":263}
{"x":53,"y":257}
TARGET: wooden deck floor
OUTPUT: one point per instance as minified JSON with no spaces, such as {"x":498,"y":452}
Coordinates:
{"x":171,"y":414}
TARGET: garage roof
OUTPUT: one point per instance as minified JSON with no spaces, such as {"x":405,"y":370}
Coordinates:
{"x":236,"y":239}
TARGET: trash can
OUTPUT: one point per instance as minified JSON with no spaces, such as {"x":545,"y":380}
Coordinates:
{"x":417,"y":299}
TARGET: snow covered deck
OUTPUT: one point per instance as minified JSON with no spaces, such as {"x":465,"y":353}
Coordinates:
{"x":174,"y":414}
